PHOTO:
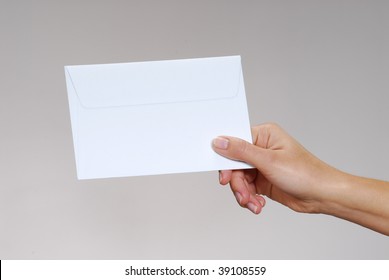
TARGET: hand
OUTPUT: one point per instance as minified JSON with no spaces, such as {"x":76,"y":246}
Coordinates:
{"x":284,"y":171}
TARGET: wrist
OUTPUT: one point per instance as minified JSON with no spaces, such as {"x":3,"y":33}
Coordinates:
{"x":337,"y":188}
{"x":348,"y":198}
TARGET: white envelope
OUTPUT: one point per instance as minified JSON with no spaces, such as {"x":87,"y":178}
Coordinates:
{"x":158,"y":117}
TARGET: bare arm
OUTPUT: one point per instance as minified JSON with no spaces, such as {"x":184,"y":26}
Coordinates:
{"x":361,"y":200}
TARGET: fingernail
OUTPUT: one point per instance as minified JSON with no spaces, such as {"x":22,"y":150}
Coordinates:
{"x":252,"y":207}
{"x":220,"y":177}
{"x":220,"y":143}
{"x":261,"y":200}
{"x":238,"y":197}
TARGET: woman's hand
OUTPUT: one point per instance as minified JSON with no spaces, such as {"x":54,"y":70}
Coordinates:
{"x":284,"y":170}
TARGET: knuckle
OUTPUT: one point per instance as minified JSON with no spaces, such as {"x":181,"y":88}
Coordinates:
{"x":271,"y":125}
{"x":242,"y":147}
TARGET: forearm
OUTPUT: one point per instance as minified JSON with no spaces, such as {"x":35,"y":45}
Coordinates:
{"x":360,"y":200}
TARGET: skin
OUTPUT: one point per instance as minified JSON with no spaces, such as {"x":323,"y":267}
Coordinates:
{"x":289,"y":174}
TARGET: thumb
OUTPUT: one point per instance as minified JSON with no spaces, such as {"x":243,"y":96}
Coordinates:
{"x":238,"y":149}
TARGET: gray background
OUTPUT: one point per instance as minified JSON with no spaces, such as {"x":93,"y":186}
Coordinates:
{"x":318,"y":68}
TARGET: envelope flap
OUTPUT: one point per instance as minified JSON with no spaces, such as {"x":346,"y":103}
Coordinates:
{"x":137,"y":83}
